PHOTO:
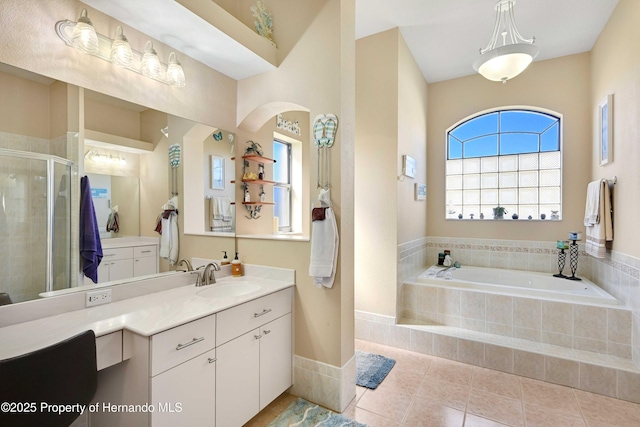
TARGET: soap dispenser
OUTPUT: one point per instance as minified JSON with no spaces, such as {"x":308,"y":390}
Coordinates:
{"x":225,"y":260}
{"x":236,"y":267}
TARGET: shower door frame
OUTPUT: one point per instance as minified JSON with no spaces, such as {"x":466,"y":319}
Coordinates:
{"x":50,"y":160}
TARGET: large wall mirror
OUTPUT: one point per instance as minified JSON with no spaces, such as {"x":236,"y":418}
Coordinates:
{"x":209,"y":184}
{"x":125,"y":155}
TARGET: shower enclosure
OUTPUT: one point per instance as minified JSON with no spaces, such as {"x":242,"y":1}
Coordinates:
{"x":35,"y":224}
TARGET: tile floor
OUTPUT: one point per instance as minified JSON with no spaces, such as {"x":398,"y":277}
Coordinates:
{"x":423,"y":390}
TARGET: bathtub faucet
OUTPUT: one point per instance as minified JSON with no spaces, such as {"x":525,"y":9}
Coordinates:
{"x":441,"y":272}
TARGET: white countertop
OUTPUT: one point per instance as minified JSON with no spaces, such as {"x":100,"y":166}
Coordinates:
{"x":144,"y":315}
{"x":128,"y":241}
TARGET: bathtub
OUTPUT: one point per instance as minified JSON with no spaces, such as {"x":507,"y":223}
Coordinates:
{"x":518,"y":283}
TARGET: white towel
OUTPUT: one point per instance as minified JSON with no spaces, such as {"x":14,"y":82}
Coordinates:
{"x":592,"y":208}
{"x":324,"y":250}
{"x":223,"y":208}
{"x":600,"y":234}
{"x":220,"y":215}
{"x":169,"y":234}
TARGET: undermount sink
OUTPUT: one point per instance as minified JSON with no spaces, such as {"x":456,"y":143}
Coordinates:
{"x":228,"y":290}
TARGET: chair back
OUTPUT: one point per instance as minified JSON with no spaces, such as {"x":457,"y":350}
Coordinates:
{"x":61,"y":374}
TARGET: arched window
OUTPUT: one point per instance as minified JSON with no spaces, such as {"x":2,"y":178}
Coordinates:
{"x":508,"y":157}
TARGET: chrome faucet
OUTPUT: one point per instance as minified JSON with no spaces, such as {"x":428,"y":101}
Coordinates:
{"x":208,"y":276}
{"x":441,"y":272}
{"x":186,"y":263}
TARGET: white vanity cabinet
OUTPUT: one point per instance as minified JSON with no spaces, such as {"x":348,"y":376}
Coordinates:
{"x":145,"y":260}
{"x":117,"y":264}
{"x":218,"y":370}
{"x":254,"y":356}
{"x":183,"y":375}
{"x":123,"y":259}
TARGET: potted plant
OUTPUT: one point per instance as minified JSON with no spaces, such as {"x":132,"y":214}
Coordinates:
{"x":498,"y":212}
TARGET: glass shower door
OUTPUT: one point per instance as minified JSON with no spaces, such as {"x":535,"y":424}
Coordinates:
{"x":23,"y":227}
{"x":34,"y":228}
{"x":61,"y":232}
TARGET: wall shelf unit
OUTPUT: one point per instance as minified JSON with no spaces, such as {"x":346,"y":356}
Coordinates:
{"x":254,"y":207}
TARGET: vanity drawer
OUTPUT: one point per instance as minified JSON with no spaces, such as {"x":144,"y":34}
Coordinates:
{"x":250,"y":315}
{"x":177,"y":345}
{"x":145,"y":251}
{"x":111,"y":254}
{"x":109,"y":350}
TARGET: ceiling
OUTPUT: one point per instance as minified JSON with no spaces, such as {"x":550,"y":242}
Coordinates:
{"x":444,"y":36}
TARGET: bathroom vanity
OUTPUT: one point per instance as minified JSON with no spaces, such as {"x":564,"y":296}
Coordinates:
{"x":125,"y":257}
{"x":210,"y":355}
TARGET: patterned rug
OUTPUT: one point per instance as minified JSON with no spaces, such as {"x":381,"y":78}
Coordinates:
{"x":371,"y":369}
{"x":305,"y":414}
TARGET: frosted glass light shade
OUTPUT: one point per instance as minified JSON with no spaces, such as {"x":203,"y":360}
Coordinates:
{"x":175,"y":73}
{"x":150,"y":64}
{"x":84,"y":36}
{"x":505,"y":62}
{"x":121,"y":54}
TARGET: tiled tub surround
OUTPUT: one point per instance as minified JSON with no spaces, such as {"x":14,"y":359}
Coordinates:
{"x":599,"y":329}
{"x":618,"y":274}
{"x":611,"y":373}
{"x":584,"y":370}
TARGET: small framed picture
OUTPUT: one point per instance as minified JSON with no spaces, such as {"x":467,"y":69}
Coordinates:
{"x":605,"y":134}
{"x":217,"y":173}
{"x":420,"y":191}
{"x":408,"y":166}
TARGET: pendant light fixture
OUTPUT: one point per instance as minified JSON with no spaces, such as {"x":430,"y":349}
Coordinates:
{"x":504,"y":62}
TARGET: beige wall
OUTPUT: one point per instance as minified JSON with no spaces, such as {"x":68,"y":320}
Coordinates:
{"x":561,"y":85}
{"x":111,"y":119}
{"x":391,"y":122}
{"x":615,"y":68}
{"x":29,"y":112}
{"x":316,"y":76}
{"x":376,"y":172}
{"x":412,"y":140}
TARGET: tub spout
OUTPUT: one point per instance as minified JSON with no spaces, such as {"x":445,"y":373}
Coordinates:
{"x":441,"y":272}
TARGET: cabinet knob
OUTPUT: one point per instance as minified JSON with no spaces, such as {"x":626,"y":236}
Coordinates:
{"x":211,"y":360}
{"x":257,"y":336}
{"x":266,"y":331}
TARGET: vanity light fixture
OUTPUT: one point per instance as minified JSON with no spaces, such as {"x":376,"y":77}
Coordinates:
{"x":175,"y":73}
{"x":83,"y":36}
{"x":150,"y":65}
{"x":121,"y":53}
{"x":501,"y":63}
{"x":97,"y":157}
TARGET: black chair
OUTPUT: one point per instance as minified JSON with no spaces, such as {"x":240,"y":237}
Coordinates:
{"x":62,"y":374}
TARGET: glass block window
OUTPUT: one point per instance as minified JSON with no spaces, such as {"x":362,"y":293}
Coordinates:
{"x":510,"y":158}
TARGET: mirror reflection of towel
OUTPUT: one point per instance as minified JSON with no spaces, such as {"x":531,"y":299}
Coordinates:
{"x":90,"y":245}
{"x":220,"y":214}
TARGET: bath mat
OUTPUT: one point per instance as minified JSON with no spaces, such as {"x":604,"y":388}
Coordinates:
{"x":371,"y":369}
{"x":305,"y":414}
